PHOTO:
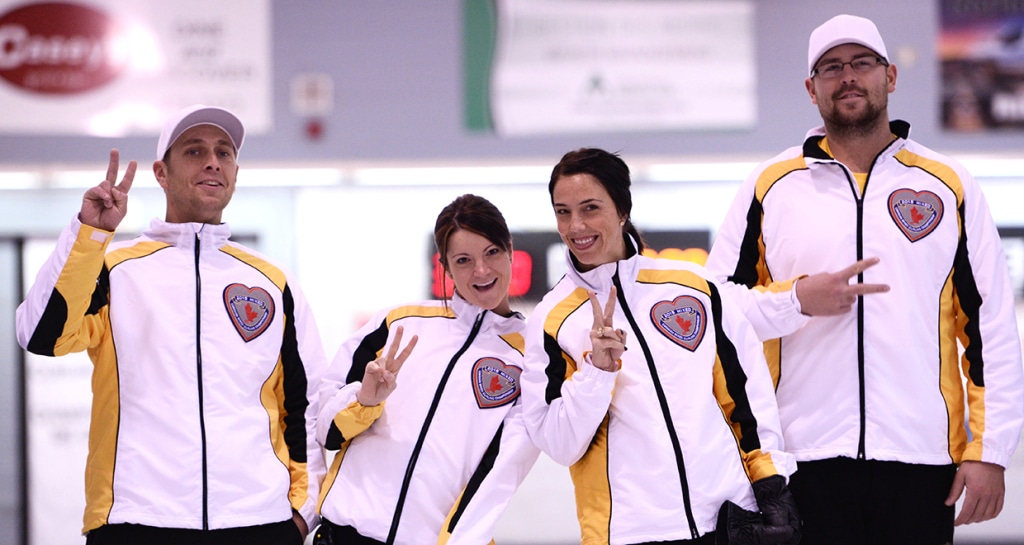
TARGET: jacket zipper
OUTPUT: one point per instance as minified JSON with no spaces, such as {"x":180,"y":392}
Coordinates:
{"x":858,"y":197}
{"x":663,"y":401}
{"x":199,"y":379}
{"x":426,"y":426}
{"x":861,"y":454}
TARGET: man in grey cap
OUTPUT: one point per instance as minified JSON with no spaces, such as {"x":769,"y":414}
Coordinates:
{"x":206,"y":357}
{"x":889,"y":425}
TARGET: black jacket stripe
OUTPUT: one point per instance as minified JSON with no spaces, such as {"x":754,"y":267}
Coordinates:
{"x":970,"y":303}
{"x":295,"y":400}
{"x":750,"y":254}
{"x":55,"y":316}
{"x":481,"y":473}
{"x":735,"y":378}
{"x":555,"y":369}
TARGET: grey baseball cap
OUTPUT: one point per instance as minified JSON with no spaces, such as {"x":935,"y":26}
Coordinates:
{"x":199,"y":114}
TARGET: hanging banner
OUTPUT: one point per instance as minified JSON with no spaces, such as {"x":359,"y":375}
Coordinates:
{"x":568,"y":66}
{"x":120,"y":67}
{"x":981,"y":47}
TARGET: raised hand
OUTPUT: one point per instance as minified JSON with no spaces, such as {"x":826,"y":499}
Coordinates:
{"x":380,"y":376}
{"x":105,"y":205}
{"x":829,"y":294}
{"x":607,"y":343}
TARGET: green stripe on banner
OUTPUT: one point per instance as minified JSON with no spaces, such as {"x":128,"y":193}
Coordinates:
{"x":479,"y":21}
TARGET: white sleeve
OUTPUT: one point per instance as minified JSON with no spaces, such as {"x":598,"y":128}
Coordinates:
{"x":314,"y":363}
{"x":69,"y":276}
{"x":771,"y":307}
{"x":337,"y":389}
{"x":995,"y":388}
{"x":770,"y":457}
{"x":561,"y":414}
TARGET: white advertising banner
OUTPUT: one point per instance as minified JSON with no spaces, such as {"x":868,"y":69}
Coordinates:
{"x":119,"y":67}
{"x":577,"y":65}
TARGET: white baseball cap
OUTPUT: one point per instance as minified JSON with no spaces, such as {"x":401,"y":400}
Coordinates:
{"x":200,"y":114}
{"x":844,"y":29}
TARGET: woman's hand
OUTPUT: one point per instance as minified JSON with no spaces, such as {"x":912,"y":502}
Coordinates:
{"x":381,"y":376}
{"x":608,"y":343}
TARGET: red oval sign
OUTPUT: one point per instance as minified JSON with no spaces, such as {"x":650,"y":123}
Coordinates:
{"x":58,"y":48}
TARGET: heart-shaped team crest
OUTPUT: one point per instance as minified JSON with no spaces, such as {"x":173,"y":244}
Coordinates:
{"x":683,"y":320}
{"x":250,"y":309}
{"x":494,"y":383}
{"x":915,"y":213}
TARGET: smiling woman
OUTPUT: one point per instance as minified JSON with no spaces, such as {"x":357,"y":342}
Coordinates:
{"x":480,"y":270}
{"x":461,"y":367}
{"x":588,"y":221}
{"x":591,"y":404}
{"x":476,"y":246}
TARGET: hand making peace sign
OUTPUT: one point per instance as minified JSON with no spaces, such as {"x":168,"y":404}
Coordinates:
{"x":828,"y":294}
{"x":105,"y":205}
{"x":608,"y":343}
{"x":381,"y":375}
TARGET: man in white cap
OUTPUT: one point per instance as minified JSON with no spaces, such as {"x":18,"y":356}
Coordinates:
{"x":871,"y":391}
{"x":206,"y":357}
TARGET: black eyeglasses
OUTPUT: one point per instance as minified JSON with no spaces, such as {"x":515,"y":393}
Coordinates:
{"x":859,"y":65}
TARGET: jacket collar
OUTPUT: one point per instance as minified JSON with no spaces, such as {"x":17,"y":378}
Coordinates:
{"x":466,"y":313}
{"x":185,"y":234}
{"x":814,"y":152}
{"x":599,"y":279}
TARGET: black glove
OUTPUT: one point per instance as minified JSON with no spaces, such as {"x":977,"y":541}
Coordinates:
{"x":737,"y":526}
{"x":778,"y":511}
{"x":778,"y":523}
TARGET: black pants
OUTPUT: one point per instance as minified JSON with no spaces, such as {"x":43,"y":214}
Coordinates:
{"x":278,"y":533}
{"x":868,"y":502}
{"x":706,"y":539}
{"x":332,"y":534}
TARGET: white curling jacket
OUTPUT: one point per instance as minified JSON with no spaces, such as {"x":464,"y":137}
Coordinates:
{"x":687,"y":422}
{"x":206,"y":360}
{"x":439,"y":459}
{"x":884,"y":381}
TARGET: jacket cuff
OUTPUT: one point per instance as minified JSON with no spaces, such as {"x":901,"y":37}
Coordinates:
{"x":786,"y":310}
{"x":975,"y":453}
{"x":309,"y":514}
{"x":91,"y":235}
{"x":590,"y":378}
{"x":356,"y":418}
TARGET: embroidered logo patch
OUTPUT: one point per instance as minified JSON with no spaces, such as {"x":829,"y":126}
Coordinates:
{"x":250,"y":309}
{"x":915,"y":213}
{"x":683,"y":320}
{"x":494,"y":383}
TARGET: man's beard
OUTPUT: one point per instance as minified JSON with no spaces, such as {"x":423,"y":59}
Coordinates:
{"x":846,"y":124}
